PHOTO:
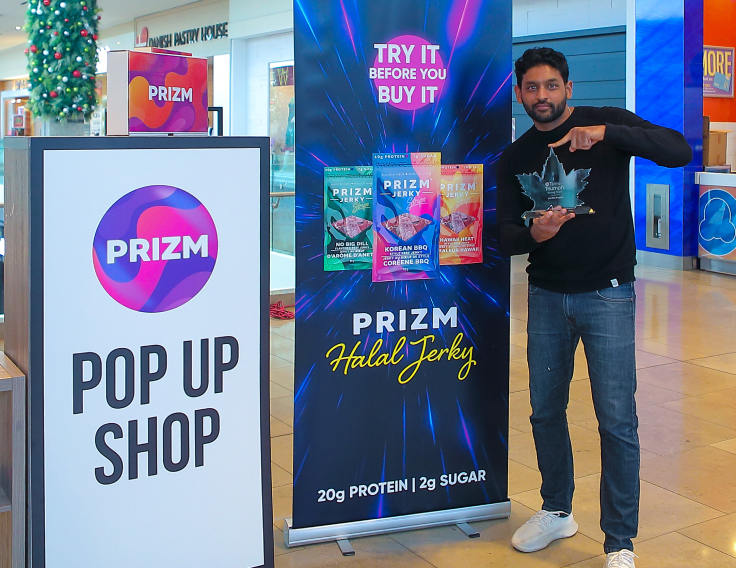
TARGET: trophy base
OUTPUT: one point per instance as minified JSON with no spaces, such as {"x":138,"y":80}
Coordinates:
{"x":579,"y":210}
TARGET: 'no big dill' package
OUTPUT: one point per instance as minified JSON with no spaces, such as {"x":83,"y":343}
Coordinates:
{"x":348,"y":218}
{"x":461,"y":215}
{"x":406,"y":211}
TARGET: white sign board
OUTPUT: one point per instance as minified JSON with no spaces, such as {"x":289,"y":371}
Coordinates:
{"x":153,"y":400}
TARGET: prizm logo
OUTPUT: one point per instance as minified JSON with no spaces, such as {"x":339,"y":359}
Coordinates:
{"x":459,"y":186}
{"x":405,"y":184}
{"x":352,"y":191}
{"x":170,"y":94}
{"x":157,"y":249}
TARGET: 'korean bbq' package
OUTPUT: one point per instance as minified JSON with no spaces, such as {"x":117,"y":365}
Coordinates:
{"x":461,"y":215}
{"x":348,"y":218}
{"x":406,"y":209}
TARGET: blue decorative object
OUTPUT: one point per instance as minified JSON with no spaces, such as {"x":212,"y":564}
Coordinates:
{"x":716,"y":231}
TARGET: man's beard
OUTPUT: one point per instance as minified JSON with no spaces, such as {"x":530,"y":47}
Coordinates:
{"x":554,"y":112}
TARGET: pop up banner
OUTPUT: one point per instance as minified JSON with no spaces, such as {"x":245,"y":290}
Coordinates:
{"x":402,"y":300}
{"x":149,"y":353}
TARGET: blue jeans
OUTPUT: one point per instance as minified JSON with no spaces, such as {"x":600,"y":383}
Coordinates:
{"x":604,"y":320}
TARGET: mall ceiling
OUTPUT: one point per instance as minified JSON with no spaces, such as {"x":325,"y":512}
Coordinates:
{"x":114,"y":12}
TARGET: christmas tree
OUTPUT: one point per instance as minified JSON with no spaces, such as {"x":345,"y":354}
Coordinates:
{"x":62,"y":57}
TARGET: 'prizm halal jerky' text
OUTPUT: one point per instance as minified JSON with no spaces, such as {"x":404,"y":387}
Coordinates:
{"x":413,"y":320}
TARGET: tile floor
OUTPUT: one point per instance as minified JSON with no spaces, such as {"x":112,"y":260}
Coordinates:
{"x":687,"y":408}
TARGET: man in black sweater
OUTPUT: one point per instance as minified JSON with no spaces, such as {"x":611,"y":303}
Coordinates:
{"x":569,"y":177}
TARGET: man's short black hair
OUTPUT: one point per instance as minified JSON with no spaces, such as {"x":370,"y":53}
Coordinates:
{"x":541,"y":56}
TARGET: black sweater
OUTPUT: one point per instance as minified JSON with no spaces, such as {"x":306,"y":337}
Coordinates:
{"x":590,"y":251}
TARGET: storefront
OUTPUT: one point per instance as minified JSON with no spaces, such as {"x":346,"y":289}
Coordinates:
{"x":16,"y":118}
{"x":719,"y":104}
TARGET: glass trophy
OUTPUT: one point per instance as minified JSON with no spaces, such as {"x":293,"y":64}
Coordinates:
{"x":555,"y":188}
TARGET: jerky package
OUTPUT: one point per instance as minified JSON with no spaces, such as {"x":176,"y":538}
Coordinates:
{"x":348,"y":218}
{"x":461,"y":215}
{"x":406,"y":207}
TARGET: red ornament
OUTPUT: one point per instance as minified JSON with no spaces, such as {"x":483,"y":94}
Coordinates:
{"x":46,"y":2}
{"x":94,"y":37}
{"x":76,"y":73}
{"x":56,"y":33}
{"x":25,"y":51}
{"x":34,"y":49}
{"x":57,"y":55}
{"x":84,"y":8}
{"x":84,"y":33}
{"x":66,"y":20}
{"x":53,"y":94}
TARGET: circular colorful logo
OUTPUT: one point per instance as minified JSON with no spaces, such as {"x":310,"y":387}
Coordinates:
{"x":408,"y":72}
{"x":716,"y":231}
{"x":155,"y":248}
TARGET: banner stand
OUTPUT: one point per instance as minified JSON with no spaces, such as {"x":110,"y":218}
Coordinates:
{"x":370,"y":527}
{"x":401,"y":358}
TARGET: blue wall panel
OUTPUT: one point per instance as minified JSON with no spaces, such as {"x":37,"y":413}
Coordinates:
{"x":693,"y":123}
{"x":669,"y":92}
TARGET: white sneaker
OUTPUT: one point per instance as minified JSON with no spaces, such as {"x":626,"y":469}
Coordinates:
{"x":621,"y":559}
{"x":543,"y":528}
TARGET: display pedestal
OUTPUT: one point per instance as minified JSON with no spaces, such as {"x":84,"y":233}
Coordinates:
{"x":137,"y":307}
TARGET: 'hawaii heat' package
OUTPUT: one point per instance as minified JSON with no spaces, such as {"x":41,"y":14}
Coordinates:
{"x":348,"y":218}
{"x":406,"y":211}
{"x":461,"y":214}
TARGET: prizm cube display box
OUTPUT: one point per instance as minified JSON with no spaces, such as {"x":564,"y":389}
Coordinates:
{"x":348,"y":218}
{"x":156,"y":92}
{"x":406,"y":216}
{"x":461,"y":216}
